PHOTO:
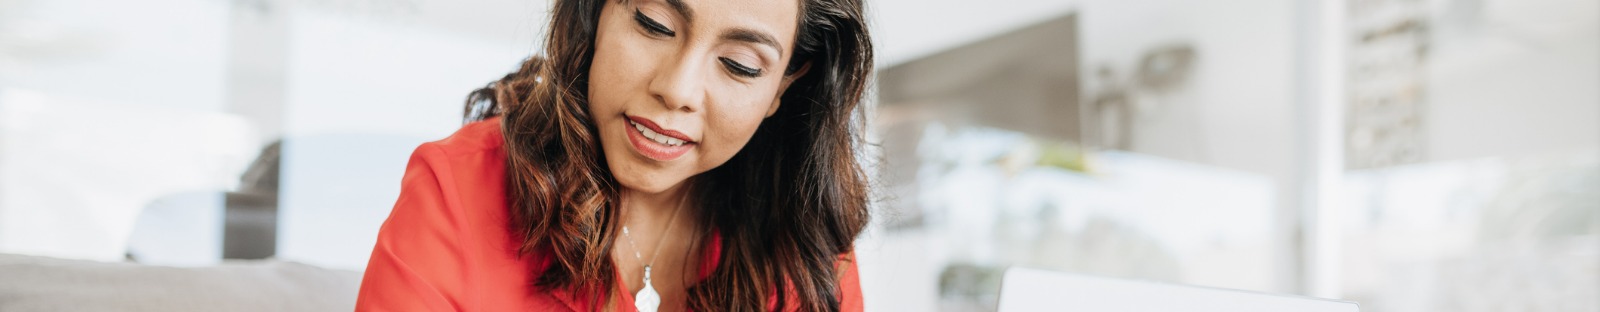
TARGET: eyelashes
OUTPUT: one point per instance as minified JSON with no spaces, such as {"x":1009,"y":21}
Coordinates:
{"x":657,"y":29}
{"x":652,"y":25}
{"x":739,"y":69}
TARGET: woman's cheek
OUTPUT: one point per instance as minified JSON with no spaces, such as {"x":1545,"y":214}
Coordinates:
{"x":742,"y":125}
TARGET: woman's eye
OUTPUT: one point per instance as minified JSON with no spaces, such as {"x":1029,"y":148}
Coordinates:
{"x":740,"y":69}
{"x":652,"y":25}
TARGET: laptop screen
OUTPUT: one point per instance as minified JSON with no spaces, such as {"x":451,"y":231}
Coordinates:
{"x":1024,"y":289}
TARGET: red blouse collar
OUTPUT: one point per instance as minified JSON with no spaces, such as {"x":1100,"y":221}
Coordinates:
{"x":708,"y":263}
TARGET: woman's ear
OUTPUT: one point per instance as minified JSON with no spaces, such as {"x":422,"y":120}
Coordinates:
{"x":783,"y":87}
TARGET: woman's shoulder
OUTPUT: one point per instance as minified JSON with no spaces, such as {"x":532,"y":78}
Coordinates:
{"x":460,"y":182}
{"x":473,"y":138}
{"x":446,"y":244}
{"x":468,"y":166}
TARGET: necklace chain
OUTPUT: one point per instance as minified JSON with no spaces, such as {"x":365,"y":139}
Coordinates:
{"x":659,"y":241}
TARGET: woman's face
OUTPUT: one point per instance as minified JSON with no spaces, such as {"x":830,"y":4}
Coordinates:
{"x":677,"y":87}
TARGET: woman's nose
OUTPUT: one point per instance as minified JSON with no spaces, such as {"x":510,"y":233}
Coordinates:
{"x":679,"y":84}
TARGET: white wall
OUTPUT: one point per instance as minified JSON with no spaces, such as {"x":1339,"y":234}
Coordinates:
{"x":362,"y":94}
{"x":103,"y":112}
{"x":108,"y":106}
{"x":1521,"y":80}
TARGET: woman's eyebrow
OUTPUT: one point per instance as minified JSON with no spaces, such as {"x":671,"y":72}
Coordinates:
{"x":736,"y":34}
{"x":752,"y":36}
{"x":683,"y":10}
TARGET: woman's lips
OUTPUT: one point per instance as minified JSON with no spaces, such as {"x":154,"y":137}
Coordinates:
{"x":657,"y":128}
{"x":650,"y":140}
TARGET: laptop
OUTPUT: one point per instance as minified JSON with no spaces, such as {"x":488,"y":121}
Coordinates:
{"x":1025,"y":289}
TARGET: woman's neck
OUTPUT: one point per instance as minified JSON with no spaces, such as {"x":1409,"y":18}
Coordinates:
{"x":666,"y":243}
{"x":653,"y":209}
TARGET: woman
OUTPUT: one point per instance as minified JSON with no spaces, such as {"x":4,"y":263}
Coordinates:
{"x":672,"y":154}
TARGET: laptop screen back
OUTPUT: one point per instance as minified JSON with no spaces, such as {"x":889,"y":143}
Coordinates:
{"x":1025,"y":289}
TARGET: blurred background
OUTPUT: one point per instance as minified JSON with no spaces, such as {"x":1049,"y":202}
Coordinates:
{"x":1412,"y":155}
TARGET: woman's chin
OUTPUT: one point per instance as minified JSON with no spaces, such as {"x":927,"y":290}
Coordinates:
{"x":649,"y":188}
{"x":646,"y":182}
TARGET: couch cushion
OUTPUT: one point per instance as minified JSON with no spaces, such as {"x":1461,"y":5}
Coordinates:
{"x":30,"y":283}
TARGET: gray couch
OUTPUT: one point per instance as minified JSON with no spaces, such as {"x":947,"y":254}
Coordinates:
{"x":30,"y":283}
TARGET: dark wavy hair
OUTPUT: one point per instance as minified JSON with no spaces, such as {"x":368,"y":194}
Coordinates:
{"x":787,"y":205}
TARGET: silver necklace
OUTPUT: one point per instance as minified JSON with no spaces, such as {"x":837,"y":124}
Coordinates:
{"x":647,"y":300}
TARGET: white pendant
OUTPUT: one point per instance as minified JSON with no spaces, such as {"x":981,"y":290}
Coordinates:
{"x":647,"y":300}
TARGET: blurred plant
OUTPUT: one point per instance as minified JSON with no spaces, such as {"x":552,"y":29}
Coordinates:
{"x":1063,"y":155}
{"x":1546,"y":198}
{"x":969,"y":287}
{"x":1033,"y":152}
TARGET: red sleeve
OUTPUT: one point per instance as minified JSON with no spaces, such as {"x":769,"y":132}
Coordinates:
{"x":418,"y":263}
{"x":849,"y":284}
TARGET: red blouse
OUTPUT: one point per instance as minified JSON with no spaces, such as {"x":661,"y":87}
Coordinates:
{"x":447,"y":247}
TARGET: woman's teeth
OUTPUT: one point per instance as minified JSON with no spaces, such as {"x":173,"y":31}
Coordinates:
{"x":653,"y":136}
